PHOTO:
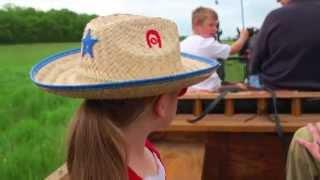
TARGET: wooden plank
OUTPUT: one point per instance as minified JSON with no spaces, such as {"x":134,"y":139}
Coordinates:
{"x":231,"y":156}
{"x":261,"y":106}
{"x":242,"y":156}
{"x":214,"y":164}
{"x":296,"y":107}
{"x":239,"y":123}
{"x":197,"y":107}
{"x":282,"y":94}
{"x":60,"y":174}
{"x":182,"y":160}
{"x":229,"y":107}
{"x":190,"y":95}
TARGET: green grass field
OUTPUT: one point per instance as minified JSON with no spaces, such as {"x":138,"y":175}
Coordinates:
{"x":32,"y":123}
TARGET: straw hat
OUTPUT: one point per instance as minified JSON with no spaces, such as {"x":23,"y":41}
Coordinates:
{"x":122,"y":56}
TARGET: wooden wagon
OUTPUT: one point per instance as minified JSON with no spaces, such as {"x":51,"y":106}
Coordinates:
{"x":230,"y":145}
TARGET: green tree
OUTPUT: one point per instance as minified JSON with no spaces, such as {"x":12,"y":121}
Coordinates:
{"x":25,"y":25}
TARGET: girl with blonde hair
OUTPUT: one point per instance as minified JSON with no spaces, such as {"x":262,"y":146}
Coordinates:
{"x":130,"y":73}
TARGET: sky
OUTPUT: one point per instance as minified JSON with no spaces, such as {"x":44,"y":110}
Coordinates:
{"x":177,"y":10}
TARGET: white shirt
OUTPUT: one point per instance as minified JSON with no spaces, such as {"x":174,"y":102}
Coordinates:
{"x":161,"y":175}
{"x":210,"y":48}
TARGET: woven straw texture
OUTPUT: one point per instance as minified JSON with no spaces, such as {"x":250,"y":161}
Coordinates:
{"x":123,"y":52}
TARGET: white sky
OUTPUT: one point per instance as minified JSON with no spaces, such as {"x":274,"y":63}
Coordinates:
{"x":177,"y":10}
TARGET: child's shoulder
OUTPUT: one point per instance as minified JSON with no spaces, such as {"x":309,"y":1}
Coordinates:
{"x":152,"y":148}
{"x":198,"y":37}
{"x":197,"y":40}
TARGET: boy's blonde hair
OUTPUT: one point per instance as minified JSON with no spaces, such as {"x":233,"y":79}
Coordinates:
{"x":200,"y":14}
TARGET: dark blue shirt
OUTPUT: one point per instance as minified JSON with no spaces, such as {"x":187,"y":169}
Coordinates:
{"x":287,"y":52}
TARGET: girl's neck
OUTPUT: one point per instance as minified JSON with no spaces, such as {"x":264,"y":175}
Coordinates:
{"x":136,"y":134}
{"x":135,"y":138}
{"x":140,"y":159}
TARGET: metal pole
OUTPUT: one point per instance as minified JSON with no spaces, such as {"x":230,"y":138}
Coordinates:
{"x":242,"y":14}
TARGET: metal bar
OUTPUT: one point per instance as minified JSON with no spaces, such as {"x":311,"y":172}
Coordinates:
{"x":242,"y":14}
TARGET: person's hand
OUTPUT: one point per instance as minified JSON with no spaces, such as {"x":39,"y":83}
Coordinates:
{"x":244,"y":34}
{"x":249,"y":54}
{"x":314,"y":146}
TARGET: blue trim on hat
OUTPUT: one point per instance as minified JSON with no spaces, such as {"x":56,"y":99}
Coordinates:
{"x":122,"y":84}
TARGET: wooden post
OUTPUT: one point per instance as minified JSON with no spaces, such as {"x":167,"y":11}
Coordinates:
{"x":197,"y":107}
{"x":261,"y":106}
{"x":229,"y":107}
{"x":296,"y":107}
{"x":60,"y":174}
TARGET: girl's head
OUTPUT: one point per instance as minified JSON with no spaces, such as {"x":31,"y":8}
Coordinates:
{"x":204,"y":22}
{"x":96,"y":145}
{"x":131,"y":72}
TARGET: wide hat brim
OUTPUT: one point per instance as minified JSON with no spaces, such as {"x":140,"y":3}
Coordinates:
{"x":195,"y":69}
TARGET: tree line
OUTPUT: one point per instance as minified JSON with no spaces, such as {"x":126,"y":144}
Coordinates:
{"x":28,"y":25}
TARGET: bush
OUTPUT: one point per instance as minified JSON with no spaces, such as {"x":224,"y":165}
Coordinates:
{"x":28,"y":25}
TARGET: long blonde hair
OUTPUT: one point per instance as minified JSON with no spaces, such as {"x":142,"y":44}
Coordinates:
{"x":96,"y":148}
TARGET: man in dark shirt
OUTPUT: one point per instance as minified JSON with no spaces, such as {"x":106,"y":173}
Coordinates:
{"x":287,"y":56}
{"x":287,"y":52}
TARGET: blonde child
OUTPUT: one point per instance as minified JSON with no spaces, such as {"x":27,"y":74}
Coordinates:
{"x":130,"y":73}
{"x":203,"y":43}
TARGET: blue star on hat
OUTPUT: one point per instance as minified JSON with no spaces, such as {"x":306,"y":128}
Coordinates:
{"x":87,"y":44}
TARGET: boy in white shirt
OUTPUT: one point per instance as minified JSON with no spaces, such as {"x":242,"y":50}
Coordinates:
{"x":203,"y":43}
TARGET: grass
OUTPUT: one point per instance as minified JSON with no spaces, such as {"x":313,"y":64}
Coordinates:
{"x":32,"y":123}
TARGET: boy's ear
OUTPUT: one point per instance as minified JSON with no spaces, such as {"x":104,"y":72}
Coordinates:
{"x":159,"y":106}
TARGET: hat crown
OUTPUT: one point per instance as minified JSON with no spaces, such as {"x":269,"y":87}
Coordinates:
{"x":117,"y":46}
{"x":122,"y":56}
